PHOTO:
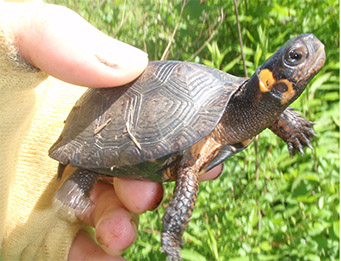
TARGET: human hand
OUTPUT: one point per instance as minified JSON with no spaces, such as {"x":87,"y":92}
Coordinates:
{"x":112,"y":217}
{"x":59,"y":42}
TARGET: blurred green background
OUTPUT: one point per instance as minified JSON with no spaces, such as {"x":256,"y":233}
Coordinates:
{"x":266,"y":205}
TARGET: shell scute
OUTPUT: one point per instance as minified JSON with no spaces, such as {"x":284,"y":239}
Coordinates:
{"x":171,"y":106}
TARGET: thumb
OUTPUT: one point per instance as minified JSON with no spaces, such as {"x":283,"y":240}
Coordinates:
{"x":61,"y":43}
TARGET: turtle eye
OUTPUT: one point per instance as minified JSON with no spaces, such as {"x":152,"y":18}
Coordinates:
{"x":295,"y":56}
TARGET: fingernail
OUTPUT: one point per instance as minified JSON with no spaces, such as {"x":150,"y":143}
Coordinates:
{"x":221,"y":171}
{"x":156,"y":205}
{"x":158,"y":196}
{"x":121,"y":56}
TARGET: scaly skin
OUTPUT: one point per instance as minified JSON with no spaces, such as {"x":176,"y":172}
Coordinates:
{"x":179,"y":212}
{"x":180,"y":208}
{"x":75,"y":191}
{"x":294,"y":130}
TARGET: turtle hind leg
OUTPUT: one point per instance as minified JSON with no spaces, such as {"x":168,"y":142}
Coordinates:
{"x":294,"y":130}
{"x":178,"y":212}
{"x":75,"y":191}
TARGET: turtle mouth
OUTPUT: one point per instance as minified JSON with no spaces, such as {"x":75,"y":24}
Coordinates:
{"x":320,"y":58}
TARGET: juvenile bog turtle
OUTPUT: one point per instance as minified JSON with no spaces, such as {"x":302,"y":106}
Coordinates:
{"x":180,"y":119}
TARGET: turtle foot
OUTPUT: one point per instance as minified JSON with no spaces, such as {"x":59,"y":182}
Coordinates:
{"x":296,"y":131}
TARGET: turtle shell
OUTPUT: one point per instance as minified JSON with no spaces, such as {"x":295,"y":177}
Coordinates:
{"x":170,"y":107}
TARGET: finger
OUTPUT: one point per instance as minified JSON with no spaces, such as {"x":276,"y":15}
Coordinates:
{"x":84,"y":248}
{"x":115,"y":226}
{"x":213,"y":173}
{"x":138,"y":196}
{"x":61,"y":43}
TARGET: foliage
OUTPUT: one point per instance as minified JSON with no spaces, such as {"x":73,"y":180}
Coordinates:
{"x":266,"y":206}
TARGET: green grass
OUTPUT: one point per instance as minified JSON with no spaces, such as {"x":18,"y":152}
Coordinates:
{"x":281,"y":208}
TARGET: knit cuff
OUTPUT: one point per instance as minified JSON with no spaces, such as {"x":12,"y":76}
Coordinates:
{"x":15,"y":72}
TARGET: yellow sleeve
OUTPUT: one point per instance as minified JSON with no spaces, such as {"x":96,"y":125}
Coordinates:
{"x":33,"y":108}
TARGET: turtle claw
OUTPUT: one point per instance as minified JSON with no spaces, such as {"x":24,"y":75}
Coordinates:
{"x":291,"y":149}
{"x":294,"y":130}
{"x":307,"y":142}
{"x":296,"y":145}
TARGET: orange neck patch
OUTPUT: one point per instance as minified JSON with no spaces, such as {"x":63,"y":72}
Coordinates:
{"x":267,"y":83}
{"x":289,"y":94}
{"x":266,"y":80}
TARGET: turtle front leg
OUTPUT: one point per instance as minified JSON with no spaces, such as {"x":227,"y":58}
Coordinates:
{"x":294,"y":130}
{"x":179,"y":211}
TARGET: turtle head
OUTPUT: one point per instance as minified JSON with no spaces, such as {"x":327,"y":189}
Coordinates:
{"x":286,"y":73}
{"x":260,"y":100}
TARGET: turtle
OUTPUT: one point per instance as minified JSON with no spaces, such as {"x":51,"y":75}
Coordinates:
{"x":178,"y":120}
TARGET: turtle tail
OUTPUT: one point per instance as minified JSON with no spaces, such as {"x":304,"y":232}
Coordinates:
{"x":75,"y":191}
